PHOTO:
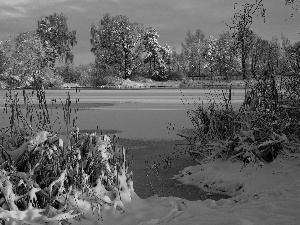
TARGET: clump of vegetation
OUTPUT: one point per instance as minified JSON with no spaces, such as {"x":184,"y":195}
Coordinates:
{"x":45,"y":177}
{"x":264,"y":127}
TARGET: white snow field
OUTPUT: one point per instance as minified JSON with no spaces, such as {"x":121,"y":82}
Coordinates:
{"x":268,"y":194}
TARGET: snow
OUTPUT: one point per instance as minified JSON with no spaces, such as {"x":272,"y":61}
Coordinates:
{"x":236,"y":178}
{"x":266,"y":194}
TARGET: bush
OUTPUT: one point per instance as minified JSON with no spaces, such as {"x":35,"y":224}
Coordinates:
{"x":55,"y":180}
{"x":291,"y":86}
{"x":175,"y":75}
{"x":2,"y":85}
{"x":262,"y":129}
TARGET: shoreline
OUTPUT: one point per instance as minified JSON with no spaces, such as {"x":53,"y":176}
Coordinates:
{"x":171,"y":157}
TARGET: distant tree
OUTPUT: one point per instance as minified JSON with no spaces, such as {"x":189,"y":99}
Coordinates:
{"x":105,"y":51}
{"x":210,"y":57}
{"x":158,"y":57}
{"x":85,"y":73}
{"x":166,"y":55}
{"x":68,"y":73}
{"x":285,"y":62}
{"x":227,"y":62}
{"x":282,"y":61}
{"x":193,"y":52}
{"x":256,"y":55}
{"x":53,"y":31}
{"x":290,"y":69}
{"x":117,"y":44}
{"x":152,"y":48}
{"x":176,"y":60}
{"x":264,"y":57}
{"x":6,"y":47}
{"x":242,"y":33}
{"x":27,"y":66}
{"x":273,"y":56}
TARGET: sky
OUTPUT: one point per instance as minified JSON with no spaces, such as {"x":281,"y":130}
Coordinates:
{"x":171,"y":18}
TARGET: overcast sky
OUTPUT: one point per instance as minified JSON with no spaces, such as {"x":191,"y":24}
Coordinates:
{"x":171,"y":18}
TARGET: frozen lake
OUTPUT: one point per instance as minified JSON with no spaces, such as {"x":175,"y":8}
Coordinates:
{"x":141,"y":117}
{"x":137,"y":114}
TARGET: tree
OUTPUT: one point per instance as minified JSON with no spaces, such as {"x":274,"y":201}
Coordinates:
{"x":227,"y":62}
{"x":210,"y":56}
{"x":242,"y":33}
{"x":175,"y":66}
{"x":152,"y":48}
{"x":26,"y":65}
{"x":6,"y":47}
{"x":85,"y":73}
{"x":264,"y":57}
{"x":291,"y":65}
{"x":68,"y":73}
{"x":117,"y":43}
{"x":158,"y":57}
{"x":166,"y":56}
{"x":193,"y":52}
{"x":53,"y":31}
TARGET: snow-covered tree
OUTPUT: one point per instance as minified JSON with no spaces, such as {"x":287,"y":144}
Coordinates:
{"x":227,"y":62}
{"x":53,"y":31}
{"x":152,"y":48}
{"x":157,"y":57}
{"x":211,"y":57}
{"x":27,"y":64}
{"x":193,"y":53}
{"x":117,"y":44}
{"x":242,"y":32}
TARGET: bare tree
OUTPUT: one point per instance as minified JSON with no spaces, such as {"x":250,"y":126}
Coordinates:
{"x":241,"y":26}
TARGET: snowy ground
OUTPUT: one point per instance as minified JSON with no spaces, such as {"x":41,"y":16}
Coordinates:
{"x":261,"y":195}
{"x":268,"y":194}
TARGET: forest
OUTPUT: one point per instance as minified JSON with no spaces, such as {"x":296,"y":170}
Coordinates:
{"x":127,"y":50}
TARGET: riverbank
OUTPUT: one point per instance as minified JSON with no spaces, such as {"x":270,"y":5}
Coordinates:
{"x":148,"y":83}
{"x":154,"y":163}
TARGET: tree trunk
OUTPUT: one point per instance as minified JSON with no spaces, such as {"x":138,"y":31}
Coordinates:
{"x":150,"y":67}
{"x":199,"y":70}
{"x":126,"y":75}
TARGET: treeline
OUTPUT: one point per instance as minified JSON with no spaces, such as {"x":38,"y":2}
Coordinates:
{"x":128,"y":50}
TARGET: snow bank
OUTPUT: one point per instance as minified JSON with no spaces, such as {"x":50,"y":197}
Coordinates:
{"x":263,"y":195}
{"x":131,"y":84}
{"x":235,"y":178}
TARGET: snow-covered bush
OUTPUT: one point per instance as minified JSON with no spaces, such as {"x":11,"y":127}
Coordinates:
{"x":88,"y":175}
{"x":262,"y":129}
{"x":2,"y":85}
{"x":49,"y":178}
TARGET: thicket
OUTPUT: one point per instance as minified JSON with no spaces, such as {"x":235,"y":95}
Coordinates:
{"x":47,"y":176}
{"x":266,"y":125}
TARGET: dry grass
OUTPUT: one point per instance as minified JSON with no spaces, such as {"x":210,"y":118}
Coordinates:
{"x":263,"y":128}
{"x":39,"y":170}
